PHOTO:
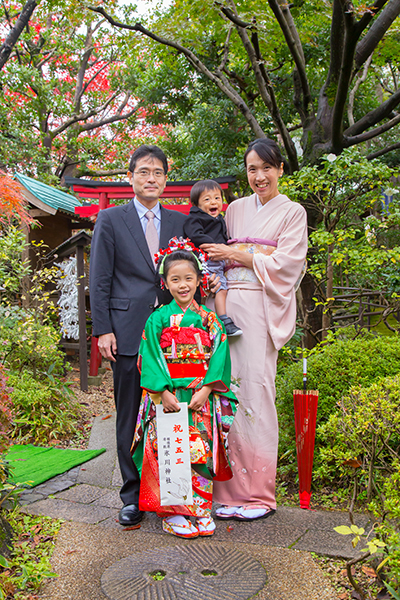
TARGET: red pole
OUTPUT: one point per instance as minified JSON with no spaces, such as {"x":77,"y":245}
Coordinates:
{"x":103,"y":200}
{"x":95,"y":357}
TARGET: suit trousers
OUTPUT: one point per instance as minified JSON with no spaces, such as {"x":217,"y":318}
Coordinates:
{"x":127,"y":395}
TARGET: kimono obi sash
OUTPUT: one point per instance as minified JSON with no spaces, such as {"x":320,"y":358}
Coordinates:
{"x":236,"y":272}
{"x":185,"y":351}
{"x":184,"y":335}
{"x":182,"y":370}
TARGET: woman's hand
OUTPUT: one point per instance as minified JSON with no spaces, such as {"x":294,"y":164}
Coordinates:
{"x":199,"y":398}
{"x":169,"y":402}
{"x":217,"y":251}
{"x":223,"y":252}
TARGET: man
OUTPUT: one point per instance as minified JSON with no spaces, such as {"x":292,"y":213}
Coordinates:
{"x":124,"y":289}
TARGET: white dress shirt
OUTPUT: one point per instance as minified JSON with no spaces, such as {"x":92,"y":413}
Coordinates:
{"x":142,"y":210}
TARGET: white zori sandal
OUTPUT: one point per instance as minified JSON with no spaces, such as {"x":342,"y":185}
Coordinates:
{"x":250,"y":513}
{"x":205,"y":525}
{"x":226,"y":512}
{"x":179,"y":526}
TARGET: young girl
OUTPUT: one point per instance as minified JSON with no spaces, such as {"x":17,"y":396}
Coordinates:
{"x":184,"y":357}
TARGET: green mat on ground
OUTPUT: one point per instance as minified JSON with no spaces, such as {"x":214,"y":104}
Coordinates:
{"x":34,"y":465}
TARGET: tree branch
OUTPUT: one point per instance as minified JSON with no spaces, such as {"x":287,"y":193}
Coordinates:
{"x":117,"y":117}
{"x":275,"y":113}
{"x":336,"y":45}
{"x":243,"y":86}
{"x":233,"y":17}
{"x":264,"y":84}
{"x":349,"y":46}
{"x":368,"y":135}
{"x":14,"y":34}
{"x":383,"y":151}
{"x":284,"y":17}
{"x":82,"y":117}
{"x":374,"y":116}
{"x":197,"y":64}
{"x":226,"y":50}
{"x":368,"y":15}
{"x":82,"y":69}
{"x":87,"y":84}
{"x":367,"y":45}
{"x":102,"y":173}
{"x":360,"y":79}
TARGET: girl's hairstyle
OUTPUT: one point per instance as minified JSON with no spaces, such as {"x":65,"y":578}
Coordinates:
{"x":267,"y":150}
{"x":206,"y":185}
{"x":180,"y":255}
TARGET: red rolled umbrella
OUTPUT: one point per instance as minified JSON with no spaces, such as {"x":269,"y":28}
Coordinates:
{"x":305,"y":419}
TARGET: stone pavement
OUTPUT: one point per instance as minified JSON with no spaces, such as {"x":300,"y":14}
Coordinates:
{"x":92,"y":540}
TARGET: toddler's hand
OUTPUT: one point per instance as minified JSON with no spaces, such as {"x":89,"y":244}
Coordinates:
{"x":169,"y":402}
{"x":199,"y":398}
{"x":214,"y":283}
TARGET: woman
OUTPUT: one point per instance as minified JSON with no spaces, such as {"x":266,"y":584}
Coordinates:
{"x":266,"y":256}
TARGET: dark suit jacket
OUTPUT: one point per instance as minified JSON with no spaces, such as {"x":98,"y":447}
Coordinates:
{"x":203,"y":228}
{"x":123,"y":281}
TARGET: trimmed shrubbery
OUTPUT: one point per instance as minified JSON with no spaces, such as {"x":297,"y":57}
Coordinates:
{"x":363,"y":436}
{"x":332,"y":372}
{"x":361,"y":452}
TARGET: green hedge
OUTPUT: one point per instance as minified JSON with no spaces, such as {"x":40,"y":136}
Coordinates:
{"x":43,"y":410}
{"x":332,"y":372}
{"x":365,"y":428}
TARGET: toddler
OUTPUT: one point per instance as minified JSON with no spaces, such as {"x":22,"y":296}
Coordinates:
{"x":206,"y":225}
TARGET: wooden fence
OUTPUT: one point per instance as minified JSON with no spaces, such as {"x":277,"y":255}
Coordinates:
{"x":357,"y":306}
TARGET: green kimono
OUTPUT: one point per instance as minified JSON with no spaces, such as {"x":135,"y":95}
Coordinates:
{"x":180,"y":352}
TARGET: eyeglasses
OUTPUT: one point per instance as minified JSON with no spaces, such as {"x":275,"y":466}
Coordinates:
{"x":145,"y":173}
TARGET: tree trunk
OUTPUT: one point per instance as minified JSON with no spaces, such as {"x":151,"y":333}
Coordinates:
{"x":326,"y":317}
{"x":13,"y":36}
{"x":69,"y":167}
{"x":6,"y":536}
{"x":311,"y":314}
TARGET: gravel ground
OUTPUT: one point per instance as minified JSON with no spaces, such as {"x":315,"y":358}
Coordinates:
{"x":83,"y":552}
{"x":99,"y":400}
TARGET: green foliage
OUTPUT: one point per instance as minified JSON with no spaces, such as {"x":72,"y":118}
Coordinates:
{"x":5,"y":412}
{"x":387,"y":511}
{"x":342,"y":189}
{"x":392,"y":592}
{"x":373,"y":546}
{"x":365,"y":433}
{"x":6,"y":407}
{"x":29,"y":565}
{"x":333,"y":371}
{"x":26,"y":344}
{"x":43,"y":410}
{"x":363,"y":437}
{"x":67,"y":96}
{"x":12,"y":268}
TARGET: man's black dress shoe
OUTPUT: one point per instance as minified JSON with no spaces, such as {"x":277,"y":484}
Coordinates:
{"x":130,"y":515}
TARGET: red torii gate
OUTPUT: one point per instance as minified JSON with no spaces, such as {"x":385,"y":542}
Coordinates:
{"x":104,"y":191}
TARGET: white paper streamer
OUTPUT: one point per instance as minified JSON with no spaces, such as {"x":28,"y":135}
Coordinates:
{"x":174,"y":456}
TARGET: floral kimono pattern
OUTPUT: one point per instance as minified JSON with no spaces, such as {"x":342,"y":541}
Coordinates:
{"x":180,"y":352}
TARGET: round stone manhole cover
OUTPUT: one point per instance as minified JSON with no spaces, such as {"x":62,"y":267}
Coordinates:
{"x":189,"y":573}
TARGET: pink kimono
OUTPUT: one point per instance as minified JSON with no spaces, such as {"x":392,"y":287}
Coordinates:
{"x":263,"y":304}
